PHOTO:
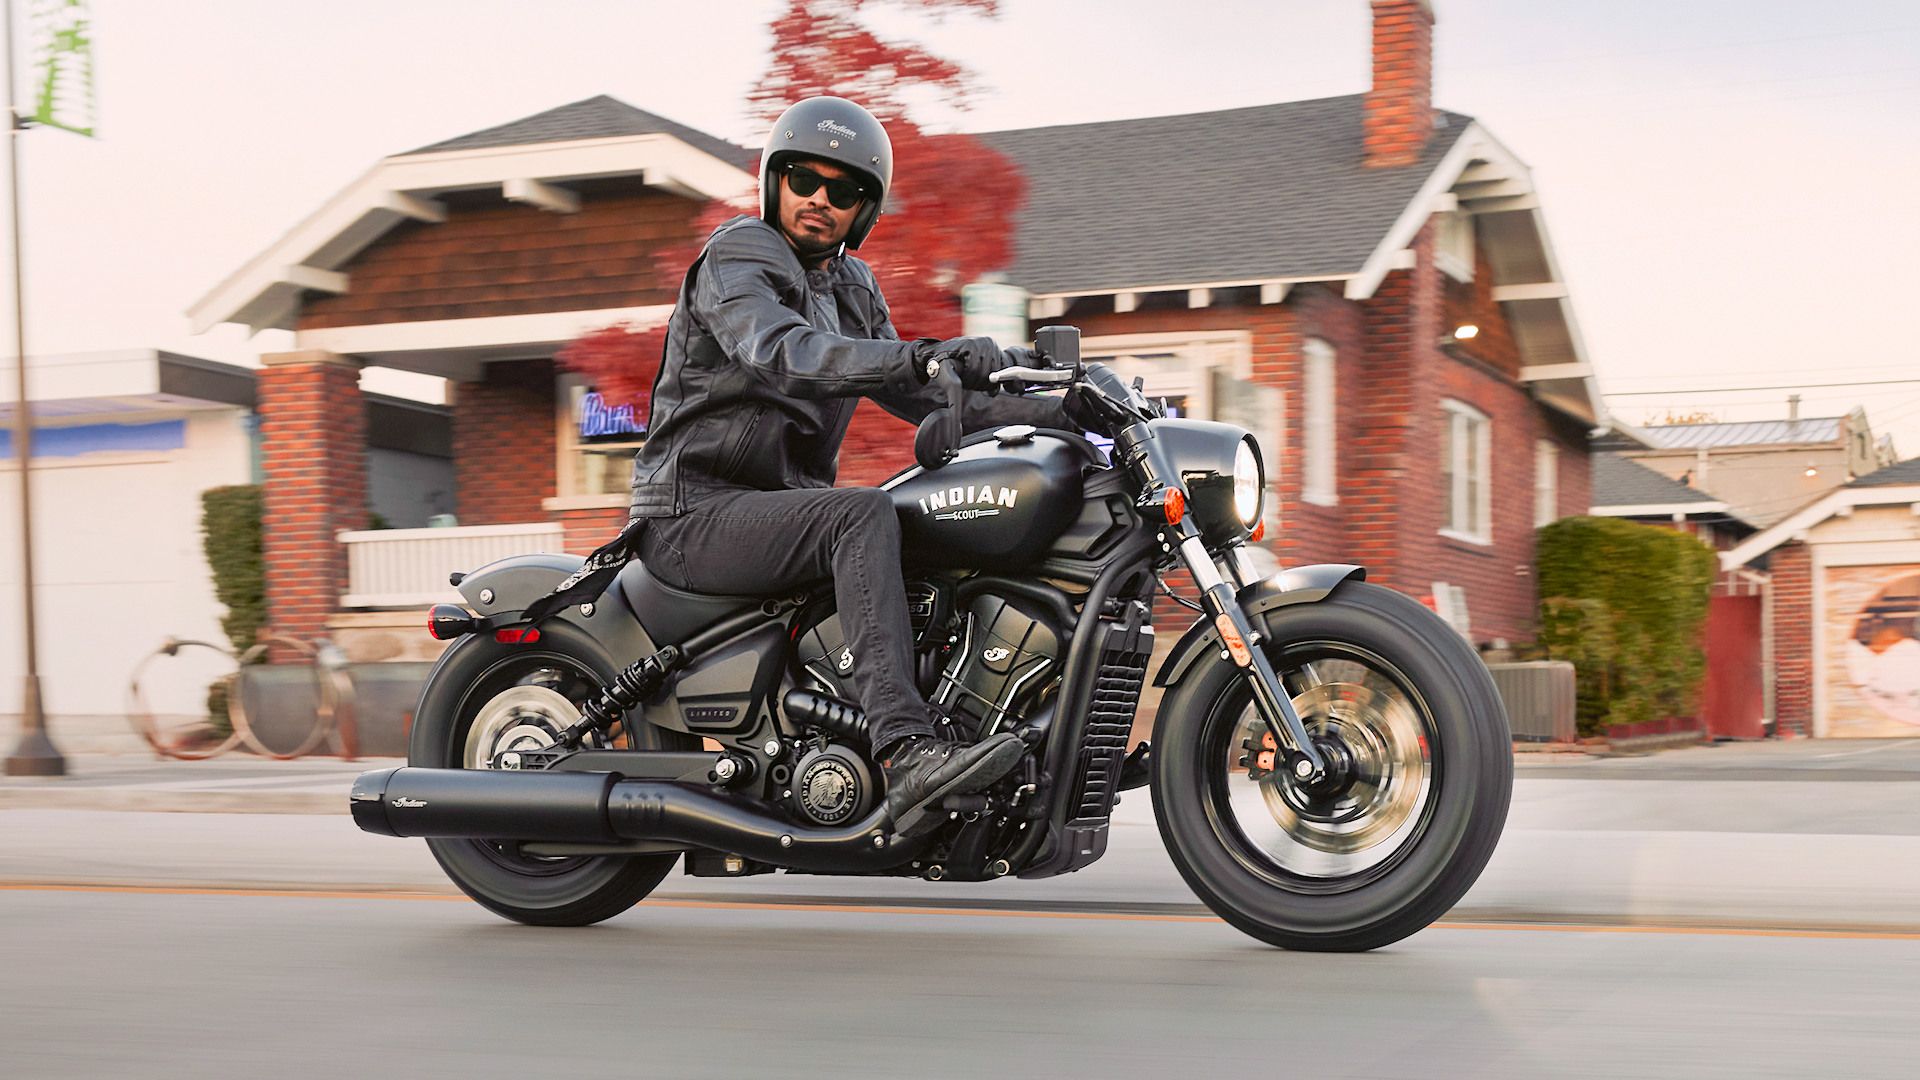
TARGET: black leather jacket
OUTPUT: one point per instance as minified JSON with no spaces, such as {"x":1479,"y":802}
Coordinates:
{"x":765,"y":362}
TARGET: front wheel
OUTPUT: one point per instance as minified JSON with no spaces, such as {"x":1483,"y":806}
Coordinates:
{"x":485,"y":697}
{"x":1421,"y":772}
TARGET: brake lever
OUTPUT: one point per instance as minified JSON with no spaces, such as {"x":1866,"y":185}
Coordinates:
{"x":1033,"y":375}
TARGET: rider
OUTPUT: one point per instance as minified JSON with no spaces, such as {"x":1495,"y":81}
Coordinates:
{"x":777,"y":334}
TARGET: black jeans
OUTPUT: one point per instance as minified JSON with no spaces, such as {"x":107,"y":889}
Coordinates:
{"x":758,"y":543}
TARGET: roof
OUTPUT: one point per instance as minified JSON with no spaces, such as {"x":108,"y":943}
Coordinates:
{"x":598,"y":117}
{"x":1618,"y":481}
{"x":1900,"y":472}
{"x":1267,"y":192}
{"x":1823,"y":429}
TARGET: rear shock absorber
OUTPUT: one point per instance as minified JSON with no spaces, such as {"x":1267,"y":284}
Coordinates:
{"x":634,"y":682}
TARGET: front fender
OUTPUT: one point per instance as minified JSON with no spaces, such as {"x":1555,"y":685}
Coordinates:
{"x":1297,"y":585}
{"x":512,"y":583}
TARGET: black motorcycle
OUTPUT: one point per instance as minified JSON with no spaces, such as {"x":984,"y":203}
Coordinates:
{"x":1330,"y":764}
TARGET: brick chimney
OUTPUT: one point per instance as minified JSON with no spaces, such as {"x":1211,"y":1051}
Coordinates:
{"x":1399,"y":107}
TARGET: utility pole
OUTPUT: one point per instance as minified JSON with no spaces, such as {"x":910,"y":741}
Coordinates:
{"x":34,"y":754}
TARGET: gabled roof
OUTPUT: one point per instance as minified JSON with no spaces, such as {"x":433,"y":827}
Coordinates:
{"x":1622,"y":483}
{"x":1824,"y":429}
{"x":1268,"y":192}
{"x":1897,"y":483}
{"x":1900,"y":472}
{"x":598,"y":117}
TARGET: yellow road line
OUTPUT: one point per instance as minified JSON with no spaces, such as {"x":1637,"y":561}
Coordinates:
{"x":998,"y":913}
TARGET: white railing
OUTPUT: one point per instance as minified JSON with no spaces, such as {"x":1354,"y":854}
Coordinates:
{"x":409,"y":567}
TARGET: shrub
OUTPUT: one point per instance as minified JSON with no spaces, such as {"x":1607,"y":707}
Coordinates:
{"x":230,"y":531}
{"x":1627,"y":604}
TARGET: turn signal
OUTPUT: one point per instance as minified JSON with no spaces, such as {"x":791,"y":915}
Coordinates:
{"x":1259,"y":532}
{"x":1175,"y":505}
{"x":448,"y":621}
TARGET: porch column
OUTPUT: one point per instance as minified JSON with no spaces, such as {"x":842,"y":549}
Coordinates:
{"x":313,"y":424}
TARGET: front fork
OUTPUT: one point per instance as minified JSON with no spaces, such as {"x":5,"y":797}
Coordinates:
{"x":1241,"y":643}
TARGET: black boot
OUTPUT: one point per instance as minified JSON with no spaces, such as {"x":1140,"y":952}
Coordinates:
{"x":924,"y":770}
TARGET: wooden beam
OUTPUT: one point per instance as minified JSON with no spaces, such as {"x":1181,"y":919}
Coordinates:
{"x":414,"y":207}
{"x":1502,"y":205}
{"x":1125,"y":301}
{"x":1404,"y":259}
{"x":1537,"y":290}
{"x":1046,"y":307}
{"x":1274,"y":291}
{"x":1492,"y":189}
{"x":312,"y":277}
{"x":1199,"y":298}
{"x":1480,"y":172}
{"x":1444,"y":203}
{"x":541,"y":194}
{"x":1545,"y":372}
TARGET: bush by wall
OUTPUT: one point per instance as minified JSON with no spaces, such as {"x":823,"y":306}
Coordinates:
{"x":1627,"y":604}
{"x":230,"y":531}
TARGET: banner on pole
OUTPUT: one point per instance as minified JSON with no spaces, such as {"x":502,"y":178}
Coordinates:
{"x":64,"y":67}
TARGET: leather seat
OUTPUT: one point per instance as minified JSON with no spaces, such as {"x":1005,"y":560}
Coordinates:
{"x":669,"y":615}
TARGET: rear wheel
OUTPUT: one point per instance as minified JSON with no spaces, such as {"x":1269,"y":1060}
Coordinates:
{"x":1421,"y":771}
{"x":486,"y":697}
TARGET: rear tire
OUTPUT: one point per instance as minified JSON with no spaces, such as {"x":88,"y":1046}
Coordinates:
{"x":1429,"y":757}
{"x":554,"y":674}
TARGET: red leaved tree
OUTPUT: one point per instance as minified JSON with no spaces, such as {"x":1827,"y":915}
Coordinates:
{"x":948,"y":219}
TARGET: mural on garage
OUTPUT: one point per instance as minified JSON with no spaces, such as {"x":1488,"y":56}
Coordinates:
{"x":1873,"y":651}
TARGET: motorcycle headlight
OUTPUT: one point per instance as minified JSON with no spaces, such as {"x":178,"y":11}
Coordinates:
{"x":1249,"y":483}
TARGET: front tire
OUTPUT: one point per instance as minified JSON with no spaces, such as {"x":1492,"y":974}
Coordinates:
{"x":1397,"y":836}
{"x":485,"y":696}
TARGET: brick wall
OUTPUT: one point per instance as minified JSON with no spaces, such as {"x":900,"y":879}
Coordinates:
{"x":505,"y":443}
{"x":1393,"y":525}
{"x":493,"y":257}
{"x":1399,"y":106}
{"x":1791,"y":565}
{"x":588,"y":529}
{"x":312,"y":444}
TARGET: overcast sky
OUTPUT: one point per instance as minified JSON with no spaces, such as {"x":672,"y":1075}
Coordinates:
{"x":1730,"y":184}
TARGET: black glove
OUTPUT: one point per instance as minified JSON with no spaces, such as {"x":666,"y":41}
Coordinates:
{"x":1082,"y":414}
{"x":974,"y":359}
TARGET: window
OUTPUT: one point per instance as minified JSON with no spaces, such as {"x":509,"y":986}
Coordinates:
{"x":1465,"y":473}
{"x":1453,"y":244}
{"x":597,"y":443}
{"x":1546,"y":483}
{"x":1317,"y":416}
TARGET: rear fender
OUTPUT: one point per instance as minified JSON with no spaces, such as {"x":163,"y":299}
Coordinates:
{"x":512,"y":583}
{"x":1297,"y":585}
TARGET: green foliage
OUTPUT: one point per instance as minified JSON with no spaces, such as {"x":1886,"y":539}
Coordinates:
{"x":1627,"y":604}
{"x":230,"y":530}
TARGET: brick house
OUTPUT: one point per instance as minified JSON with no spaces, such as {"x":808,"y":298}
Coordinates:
{"x":1364,"y":281}
{"x":1845,"y":625}
{"x":1736,"y":700}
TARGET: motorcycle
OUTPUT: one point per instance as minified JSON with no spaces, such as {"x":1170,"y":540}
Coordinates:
{"x":1330,"y":764}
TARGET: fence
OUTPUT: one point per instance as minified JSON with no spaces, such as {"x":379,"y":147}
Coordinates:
{"x":408,"y":567}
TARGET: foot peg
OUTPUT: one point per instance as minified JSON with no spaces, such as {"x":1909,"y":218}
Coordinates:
{"x":1137,"y":770}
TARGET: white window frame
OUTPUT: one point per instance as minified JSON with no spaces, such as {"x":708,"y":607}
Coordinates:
{"x":1468,"y":456}
{"x":570,"y":388}
{"x":1453,"y":250}
{"x":1546,"y":482}
{"x":1320,"y":405}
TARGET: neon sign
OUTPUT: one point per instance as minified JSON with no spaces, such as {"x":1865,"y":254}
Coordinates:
{"x":598,"y":420}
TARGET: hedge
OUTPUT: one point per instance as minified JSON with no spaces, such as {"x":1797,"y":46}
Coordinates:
{"x":1627,"y":604}
{"x":230,"y":531}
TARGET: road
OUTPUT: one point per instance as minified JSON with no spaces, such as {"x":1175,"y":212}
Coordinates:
{"x":1739,"y":912}
{"x":160,"y":985}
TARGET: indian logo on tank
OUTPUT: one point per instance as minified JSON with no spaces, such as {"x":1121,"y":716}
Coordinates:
{"x":967,"y":503}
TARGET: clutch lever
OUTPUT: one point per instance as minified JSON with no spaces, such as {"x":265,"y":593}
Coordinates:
{"x":1034,"y":375}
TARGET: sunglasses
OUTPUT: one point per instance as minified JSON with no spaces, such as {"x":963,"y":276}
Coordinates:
{"x":843,"y":194}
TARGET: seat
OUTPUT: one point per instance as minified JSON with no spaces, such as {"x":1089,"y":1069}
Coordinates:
{"x":669,"y":615}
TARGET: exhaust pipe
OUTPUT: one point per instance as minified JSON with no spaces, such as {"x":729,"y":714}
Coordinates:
{"x":603,"y":808}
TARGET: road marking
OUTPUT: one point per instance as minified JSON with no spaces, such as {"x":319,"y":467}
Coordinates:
{"x":1000,"y":913}
{"x":1889,"y":745}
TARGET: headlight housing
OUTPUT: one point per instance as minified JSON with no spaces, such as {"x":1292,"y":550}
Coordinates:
{"x":1249,"y":483}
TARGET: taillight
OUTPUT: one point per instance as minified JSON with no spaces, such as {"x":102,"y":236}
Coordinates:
{"x":448,"y":621}
{"x":517,"y":635}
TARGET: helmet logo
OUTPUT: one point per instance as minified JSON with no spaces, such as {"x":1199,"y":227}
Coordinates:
{"x":837,"y":129}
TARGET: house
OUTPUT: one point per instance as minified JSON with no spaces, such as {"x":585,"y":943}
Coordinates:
{"x":1736,"y":700}
{"x":1845,"y":626}
{"x":1765,"y":469}
{"x":1365,"y":282}
{"x":124,"y":445}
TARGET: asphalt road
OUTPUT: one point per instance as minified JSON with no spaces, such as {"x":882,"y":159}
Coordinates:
{"x":170,"y":985}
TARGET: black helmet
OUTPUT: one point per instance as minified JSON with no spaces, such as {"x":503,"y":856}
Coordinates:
{"x":836,"y":130}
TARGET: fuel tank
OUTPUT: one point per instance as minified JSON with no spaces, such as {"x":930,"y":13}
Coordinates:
{"x":999,"y":504}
